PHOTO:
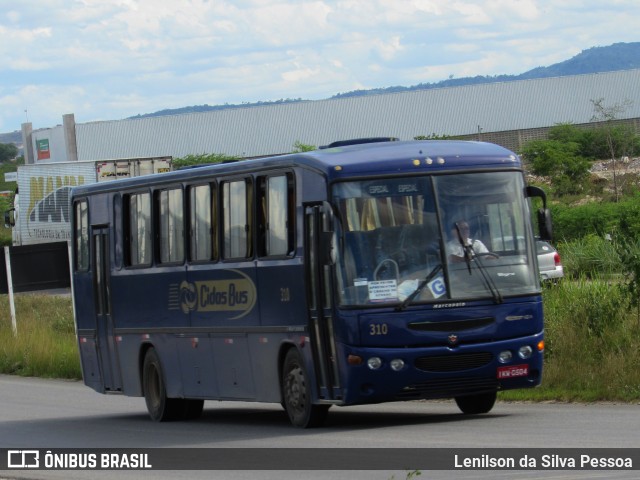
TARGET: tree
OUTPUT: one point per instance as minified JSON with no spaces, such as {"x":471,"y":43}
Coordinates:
{"x":202,"y":159}
{"x":434,"y":136}
{"x":560,"y":161}
{"x":8,"y":151}
{"x":619,"y":141}
{"x":299,"y":147}
{"x":566,"y":133}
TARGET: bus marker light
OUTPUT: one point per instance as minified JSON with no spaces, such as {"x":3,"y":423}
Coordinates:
{"x":505,"y":356}
{"x":228,"y":341}
{"x":354,"y":360}
{"x":541,"y":345}
{"x":374,"y":363}
{"x":397,"y":364}
{"x":416,"y":162}
{"x":263,"y":340}
{"x":146,"y":336}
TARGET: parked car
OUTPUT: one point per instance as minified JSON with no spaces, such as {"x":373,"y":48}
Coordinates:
{"x":549,"y":261}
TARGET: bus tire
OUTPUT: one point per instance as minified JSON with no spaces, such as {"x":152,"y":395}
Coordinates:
{"x":296,"y":394}
{"x":476,"y":404}
{"x":161,"y":408}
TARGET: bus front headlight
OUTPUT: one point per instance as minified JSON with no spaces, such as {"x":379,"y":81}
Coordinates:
{"x":505,"y":356}
{"x":397,"y":364}
{"x":374,"y":363}
{"x":525,"y":352}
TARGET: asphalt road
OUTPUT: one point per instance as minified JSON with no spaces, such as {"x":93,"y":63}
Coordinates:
{"x":49,"y":414}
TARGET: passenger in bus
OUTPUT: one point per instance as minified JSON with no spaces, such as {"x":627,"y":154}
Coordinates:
{"x":460,"y":233}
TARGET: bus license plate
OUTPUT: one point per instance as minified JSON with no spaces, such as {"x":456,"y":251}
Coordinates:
{"x":513,"y":371}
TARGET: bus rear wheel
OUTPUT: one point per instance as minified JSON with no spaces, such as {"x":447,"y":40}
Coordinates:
{"x":296,"y":394}
{"x":475,"y":404}
{"x":161,"y":408}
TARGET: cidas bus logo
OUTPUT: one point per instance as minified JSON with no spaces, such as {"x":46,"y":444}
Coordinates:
{"x":188,"y":296}
{"x":235,"y":294}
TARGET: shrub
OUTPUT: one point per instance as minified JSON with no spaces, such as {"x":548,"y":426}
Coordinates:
{"x":589,"y":257}
{"x":571,"y":222}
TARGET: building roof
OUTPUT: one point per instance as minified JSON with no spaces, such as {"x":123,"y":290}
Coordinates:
{"x":273,"y":129}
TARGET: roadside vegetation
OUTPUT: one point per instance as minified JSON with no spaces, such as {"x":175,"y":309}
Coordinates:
{"x":45,"y":344}
{"x":7,"y":190}
{"x":592,"y":327}
{"x":592,"y":315}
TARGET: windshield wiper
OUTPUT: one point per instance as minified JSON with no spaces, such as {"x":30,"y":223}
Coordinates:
{"x":467,"y":250}
{"x":487,"y":280}
{"x":470,"y":254}
{"x":491,"y":286}
{"x":419,"y":288}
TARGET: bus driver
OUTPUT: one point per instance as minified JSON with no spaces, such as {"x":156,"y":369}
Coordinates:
{"x":460,"y":233}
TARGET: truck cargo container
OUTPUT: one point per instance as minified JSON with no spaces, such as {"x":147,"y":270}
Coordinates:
{"x":40,"y":212}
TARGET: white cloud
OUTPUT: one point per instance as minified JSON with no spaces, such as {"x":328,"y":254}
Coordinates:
{"x":111,"y":59}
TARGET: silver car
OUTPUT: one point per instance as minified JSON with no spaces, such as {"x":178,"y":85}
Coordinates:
{"x":549,"y":261}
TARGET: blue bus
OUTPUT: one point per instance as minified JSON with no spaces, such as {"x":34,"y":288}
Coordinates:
{"x":353,"y":274}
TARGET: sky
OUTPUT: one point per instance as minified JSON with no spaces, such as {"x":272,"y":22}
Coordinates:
{"x":112,"y":59}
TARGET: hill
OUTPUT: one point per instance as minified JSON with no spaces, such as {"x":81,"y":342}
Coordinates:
{"x":208,"y":108}
{"x":12,"y":137}
{"x":619,"y":56}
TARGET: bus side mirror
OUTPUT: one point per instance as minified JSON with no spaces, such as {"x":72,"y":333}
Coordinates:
{"x":545,"y":226}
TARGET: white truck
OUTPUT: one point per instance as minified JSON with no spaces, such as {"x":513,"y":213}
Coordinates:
{"x":40,"y":213}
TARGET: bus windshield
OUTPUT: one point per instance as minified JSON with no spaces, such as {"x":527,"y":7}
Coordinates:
{"x":444,"y":238}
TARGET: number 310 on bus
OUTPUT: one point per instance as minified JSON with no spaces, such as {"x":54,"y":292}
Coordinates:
{"x":366,"y":271}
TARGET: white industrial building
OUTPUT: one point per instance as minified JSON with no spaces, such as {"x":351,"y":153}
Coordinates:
{"x":507,"y":113}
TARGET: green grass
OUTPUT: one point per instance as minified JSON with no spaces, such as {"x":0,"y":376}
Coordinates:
{"x":45,"y":345}
{"x":6,"y":202}
{"x":592,"y":344}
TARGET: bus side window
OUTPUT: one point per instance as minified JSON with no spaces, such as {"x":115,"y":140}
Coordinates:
{"x":138,"y":229}
{"x":81,"y":235}
{"x":276,"y":208}
{"x":236,"y":219}
{"x":203,"y":223}
{"x":171,"y":225}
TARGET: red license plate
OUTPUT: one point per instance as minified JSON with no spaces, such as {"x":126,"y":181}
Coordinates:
{"x":513,"y":371}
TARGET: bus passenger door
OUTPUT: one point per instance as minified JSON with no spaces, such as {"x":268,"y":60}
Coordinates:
{"x":318,"y":272}
{"x":105,"y":335}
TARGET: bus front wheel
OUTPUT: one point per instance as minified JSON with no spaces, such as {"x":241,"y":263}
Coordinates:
{"x":296,"y":394}
{"x":160,"y":407}
{"x":475,"y":404}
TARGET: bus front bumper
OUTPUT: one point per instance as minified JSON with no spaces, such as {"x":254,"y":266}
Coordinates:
{"x":374,"y":375}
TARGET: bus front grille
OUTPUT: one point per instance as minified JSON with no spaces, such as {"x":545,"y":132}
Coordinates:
{"x":453,"y":363}
{"x":448,"y":388}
